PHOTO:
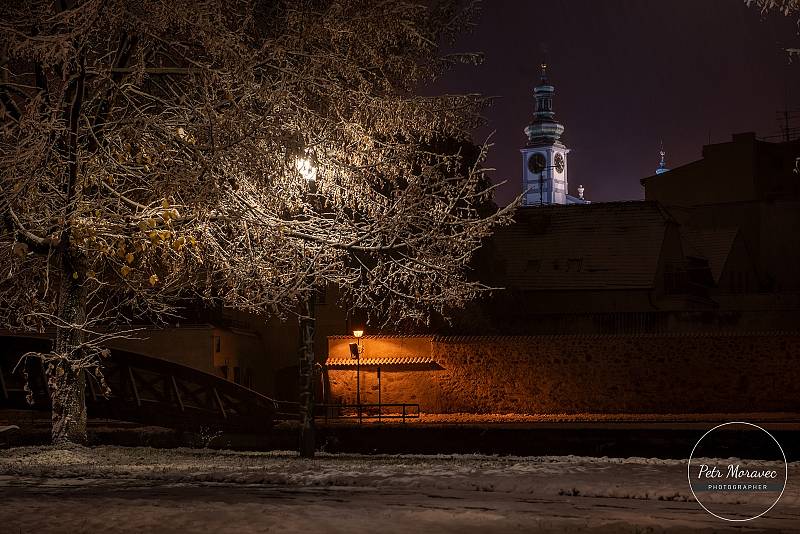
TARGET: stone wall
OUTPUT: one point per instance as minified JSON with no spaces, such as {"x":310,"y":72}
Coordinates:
{"x":686,"y":373}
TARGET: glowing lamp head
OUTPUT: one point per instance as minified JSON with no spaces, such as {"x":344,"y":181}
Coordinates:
{"x":306,"y":168}
{"x":358,"y":333}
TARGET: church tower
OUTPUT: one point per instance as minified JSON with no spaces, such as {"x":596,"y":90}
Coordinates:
{"x":544,"y":158}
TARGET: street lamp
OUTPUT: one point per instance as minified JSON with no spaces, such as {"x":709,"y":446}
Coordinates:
{"x":306,"y":167}
{"x":541,"y":182}
{"x":355,"y":352}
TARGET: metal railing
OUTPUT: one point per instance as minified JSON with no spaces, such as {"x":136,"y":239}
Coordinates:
{"x":291,"y":411}
{"x":149,"y":391}
{"x":371,"y":411}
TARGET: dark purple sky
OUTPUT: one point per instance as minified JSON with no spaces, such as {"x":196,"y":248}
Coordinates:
{"x":627,"y":74}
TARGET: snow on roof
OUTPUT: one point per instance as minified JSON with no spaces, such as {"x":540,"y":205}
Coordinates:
{"x":381,"y":360}
{"x":712,"y":244}
{"x":611,"y":245}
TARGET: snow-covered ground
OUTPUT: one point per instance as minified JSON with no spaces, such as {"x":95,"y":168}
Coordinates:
{"x":47,"y":489}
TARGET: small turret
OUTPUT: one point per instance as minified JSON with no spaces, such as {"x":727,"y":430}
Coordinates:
{"x":662,"y":165}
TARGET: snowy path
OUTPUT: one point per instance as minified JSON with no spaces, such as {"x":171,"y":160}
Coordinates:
{"x":114,"y":489}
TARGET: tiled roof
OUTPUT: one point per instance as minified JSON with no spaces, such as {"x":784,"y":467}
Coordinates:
{"x":380,"y":336}
{"x":382,"y":360}
{"x":596,"y":246}
{"x":713,"y":244}
{"x":704,"y":333}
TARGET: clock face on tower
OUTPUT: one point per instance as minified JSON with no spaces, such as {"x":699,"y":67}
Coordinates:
{"x":559,"y":162}
{"x":537,"y":162}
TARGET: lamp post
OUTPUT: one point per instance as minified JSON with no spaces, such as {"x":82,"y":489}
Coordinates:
{"x":308,"y":170}
{"x":541,"y":187}
{"x":541,"y":182}
{"x":358,"y":334}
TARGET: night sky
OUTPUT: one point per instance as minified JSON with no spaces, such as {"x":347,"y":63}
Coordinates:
{"x":627,"y":74}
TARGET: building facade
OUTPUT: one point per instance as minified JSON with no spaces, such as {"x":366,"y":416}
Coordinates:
{"x":687,"y":302}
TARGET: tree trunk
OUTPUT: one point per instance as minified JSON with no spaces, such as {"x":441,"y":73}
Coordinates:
{"x":67,"y":382}
{"x":307,"y":363}
{"x":65,"y":377}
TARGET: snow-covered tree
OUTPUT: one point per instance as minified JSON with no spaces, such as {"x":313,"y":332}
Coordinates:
{"x":789,"y":8}
{"x":238,"y":151}
{"x":107,"y":185}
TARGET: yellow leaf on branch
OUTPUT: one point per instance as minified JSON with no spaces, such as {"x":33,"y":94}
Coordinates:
{"x":20,"y":249}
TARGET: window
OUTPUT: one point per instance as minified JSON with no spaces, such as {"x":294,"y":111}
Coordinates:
{"x":574,"y":265}
{"x":217,"y":344}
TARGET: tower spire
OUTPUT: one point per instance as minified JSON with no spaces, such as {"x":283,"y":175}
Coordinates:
{"x":662,"y":165}
{"x":544,"y":129}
